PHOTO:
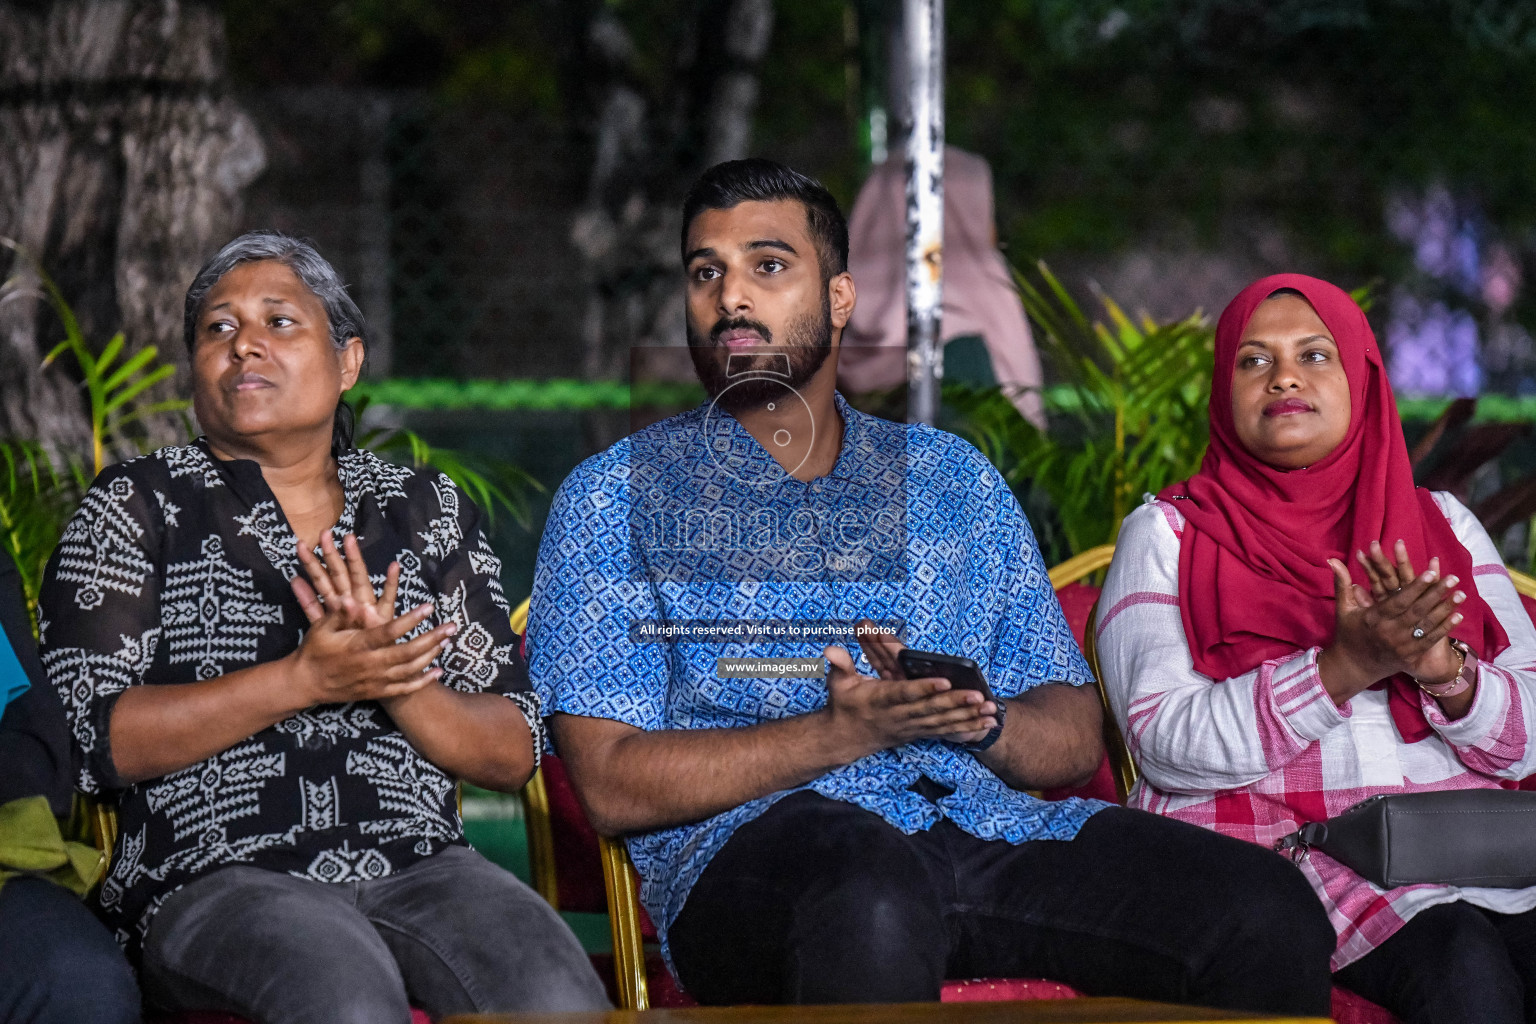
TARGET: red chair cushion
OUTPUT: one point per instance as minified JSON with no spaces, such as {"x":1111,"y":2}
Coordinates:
{"x":1349,"y":1008}
{"x":991,"y":990}
{"x":665,"y":992}
{"x":1100,"y":787}
{"x":578,"y":866}
{"x":664,"y":989}
{"x":215,"y":1017}
{"x":578,"y":863}
{"x":1077,"y":600}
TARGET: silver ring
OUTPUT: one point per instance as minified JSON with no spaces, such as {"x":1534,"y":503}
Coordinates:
{"x":1418,"y":632}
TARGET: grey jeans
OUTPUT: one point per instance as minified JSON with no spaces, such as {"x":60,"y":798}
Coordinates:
{"x":451,"y":934}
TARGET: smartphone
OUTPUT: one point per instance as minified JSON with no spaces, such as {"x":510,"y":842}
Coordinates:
{"x":962,"y":673}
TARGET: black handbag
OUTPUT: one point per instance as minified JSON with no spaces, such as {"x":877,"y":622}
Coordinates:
{"x":1473,"y":837}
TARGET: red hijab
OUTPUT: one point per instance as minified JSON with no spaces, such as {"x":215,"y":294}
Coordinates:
{"x":1254,"y":581}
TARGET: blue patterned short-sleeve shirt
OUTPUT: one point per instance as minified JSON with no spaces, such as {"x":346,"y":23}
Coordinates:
{"x":687,"y":542}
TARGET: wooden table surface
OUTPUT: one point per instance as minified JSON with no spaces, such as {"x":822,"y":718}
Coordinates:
{"x":1050,"y":1011}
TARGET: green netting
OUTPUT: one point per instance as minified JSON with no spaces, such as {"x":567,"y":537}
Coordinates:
{"x":568,"y":395}
{"x":557,"y":395}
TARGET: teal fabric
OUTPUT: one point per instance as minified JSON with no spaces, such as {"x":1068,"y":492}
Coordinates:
{"x":13,"y":680}
{"x":966,"y":360}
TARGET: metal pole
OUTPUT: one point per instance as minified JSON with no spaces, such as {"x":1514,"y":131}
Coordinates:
{"x":923,"y":27}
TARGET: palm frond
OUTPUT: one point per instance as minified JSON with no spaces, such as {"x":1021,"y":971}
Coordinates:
{"x":37,"y":497}
{"x":493,"y":484}
{"x":115,"y":392}
{"x":1129,"y":415}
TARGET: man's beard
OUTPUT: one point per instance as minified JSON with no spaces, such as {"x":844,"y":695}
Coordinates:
{"x":756,"y":376}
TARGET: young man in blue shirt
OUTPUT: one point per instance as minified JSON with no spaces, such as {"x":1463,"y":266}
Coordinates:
{"x":848,"y":834}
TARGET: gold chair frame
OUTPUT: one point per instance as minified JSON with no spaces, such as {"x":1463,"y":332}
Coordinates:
{"x":623,"y":887}
{"x":1073,"y":569}
{"x":1524,"y":584}
{"x":620,"y":882}
{"x":535,"y":798}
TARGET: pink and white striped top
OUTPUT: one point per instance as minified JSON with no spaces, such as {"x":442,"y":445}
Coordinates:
{"x":1261,"y":754}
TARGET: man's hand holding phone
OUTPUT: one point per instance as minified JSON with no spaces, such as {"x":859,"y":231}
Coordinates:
{"x":880,"y":713}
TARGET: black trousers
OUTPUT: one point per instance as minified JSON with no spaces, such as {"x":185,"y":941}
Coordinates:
{"x":819,"y":901}
{"x":1451,"y":964}
{"x":58,"y":964}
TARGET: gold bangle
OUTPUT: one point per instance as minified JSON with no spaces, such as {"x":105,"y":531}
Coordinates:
{"x":1454,"y":685}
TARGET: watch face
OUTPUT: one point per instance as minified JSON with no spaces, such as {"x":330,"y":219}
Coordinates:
{"x":1466,"y":652}
{"x":1461,"y":681}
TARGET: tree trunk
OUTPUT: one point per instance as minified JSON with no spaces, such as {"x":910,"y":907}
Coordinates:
{"x":647,"y":149}
{"x":121,"y":173}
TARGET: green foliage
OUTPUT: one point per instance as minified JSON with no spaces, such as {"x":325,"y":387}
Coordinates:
{"x":116,"y":392}
{"x":37,"y":498}
{"x":1130,"y":417}
{"x":501,"y":55}
{"x":113,"y":389}
{"x":491,"y":483}
{"x":1211,"y":124}
{"x":39,"y":490}
{"x":543,"y":394}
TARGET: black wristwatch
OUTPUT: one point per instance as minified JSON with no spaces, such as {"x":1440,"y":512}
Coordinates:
{"x":996,"y":731}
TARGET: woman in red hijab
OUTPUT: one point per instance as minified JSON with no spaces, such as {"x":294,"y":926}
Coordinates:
{"x":1297,"y":628}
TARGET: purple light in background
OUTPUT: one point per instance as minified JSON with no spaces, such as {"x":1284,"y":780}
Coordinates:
{"x":1445,"y":243}
{"x":1502,"y":278}
{"x":1432,"y":349}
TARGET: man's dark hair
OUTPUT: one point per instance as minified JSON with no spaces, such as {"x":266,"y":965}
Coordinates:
{"x":726,"y":185}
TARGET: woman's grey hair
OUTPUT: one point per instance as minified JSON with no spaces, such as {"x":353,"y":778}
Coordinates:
{"x":315,"y":271}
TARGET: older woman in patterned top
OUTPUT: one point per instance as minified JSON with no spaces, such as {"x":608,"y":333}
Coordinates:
{"x":277,"y":653}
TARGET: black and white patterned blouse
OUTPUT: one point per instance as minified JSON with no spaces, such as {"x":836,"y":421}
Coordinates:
{"x":176,"y":568}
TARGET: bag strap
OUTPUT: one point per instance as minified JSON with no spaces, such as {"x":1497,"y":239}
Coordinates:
{"x":1299,"y":843}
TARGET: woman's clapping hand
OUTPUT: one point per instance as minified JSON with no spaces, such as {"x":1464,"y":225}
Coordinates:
{"x":338,"y":583}
{"x":1400,"y":625}
{"x":352,"y":650}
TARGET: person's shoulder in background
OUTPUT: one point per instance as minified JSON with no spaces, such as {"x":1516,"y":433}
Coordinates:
{"x":35,"y":754}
